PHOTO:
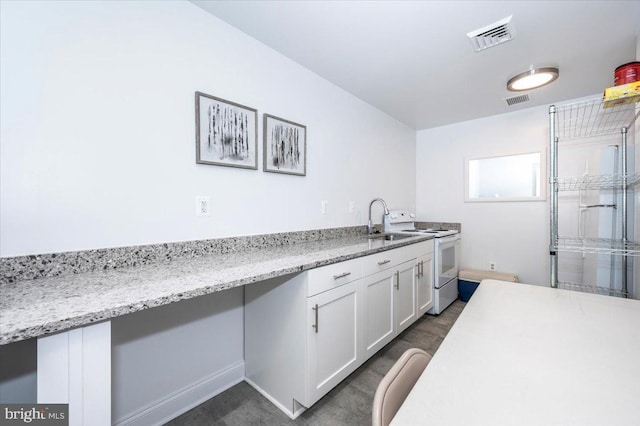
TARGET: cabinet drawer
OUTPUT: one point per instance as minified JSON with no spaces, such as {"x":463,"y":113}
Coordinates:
{"x":331,"y":276}
{"x":384,"y":260}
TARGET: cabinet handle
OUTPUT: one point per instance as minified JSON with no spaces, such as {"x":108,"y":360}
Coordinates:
{"x":384,"y":262}
{"x":397,"y":280}
{"x":342,"y":275}
{"x":422,"y":268}
{"x":315,"y":308}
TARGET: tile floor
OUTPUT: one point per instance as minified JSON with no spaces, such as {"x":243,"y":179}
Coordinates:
{"x":349,"y":403}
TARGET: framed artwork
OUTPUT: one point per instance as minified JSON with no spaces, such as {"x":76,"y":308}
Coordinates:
{"x":226,"y":133}
{"x":285,"y":146}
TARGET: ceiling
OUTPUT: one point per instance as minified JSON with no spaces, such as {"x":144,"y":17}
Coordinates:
{"x":413,"y":60}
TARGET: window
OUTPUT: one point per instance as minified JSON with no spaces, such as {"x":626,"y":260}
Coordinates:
{"x":515,"y":177}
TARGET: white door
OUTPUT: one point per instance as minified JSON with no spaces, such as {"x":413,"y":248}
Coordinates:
{"x":334,"y":326}
{"x":405,"y":300}
{"x":378,"y":310}
{"x":424,"y":277}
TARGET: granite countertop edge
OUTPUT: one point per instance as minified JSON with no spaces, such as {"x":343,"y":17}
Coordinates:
{"x":66,"y":302}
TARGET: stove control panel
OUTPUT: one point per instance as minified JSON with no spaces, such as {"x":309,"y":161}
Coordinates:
{"x":401,"y":216}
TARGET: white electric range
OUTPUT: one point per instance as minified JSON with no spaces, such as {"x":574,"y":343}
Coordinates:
{"x":446,"y":255}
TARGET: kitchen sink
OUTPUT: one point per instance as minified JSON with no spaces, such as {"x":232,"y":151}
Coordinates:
{"x":389,"y":236}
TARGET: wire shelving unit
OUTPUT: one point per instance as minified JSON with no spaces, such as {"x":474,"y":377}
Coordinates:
{"x":589,"y":118}
{"x":595,"y":289}
{"x":586,"y":182}
{"x":580,"y":120}
{"x":597,"y":246}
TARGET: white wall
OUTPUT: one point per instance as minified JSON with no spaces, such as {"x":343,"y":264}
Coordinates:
{"x":98,"y":131}
{"x":514,"y":235}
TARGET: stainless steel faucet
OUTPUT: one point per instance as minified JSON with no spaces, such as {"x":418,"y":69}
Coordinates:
{"x":386,"y":211}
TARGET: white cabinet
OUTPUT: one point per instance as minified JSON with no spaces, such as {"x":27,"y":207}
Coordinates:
{"x":397,"y":296}
{"x":333,"y":338}
{"x":389,"y":296}
{"x":405,"y":295}
{"x":379,"y":319}
{"x":424,"y":280}
{"x":306,"y":332}
{"x":303,"y":334}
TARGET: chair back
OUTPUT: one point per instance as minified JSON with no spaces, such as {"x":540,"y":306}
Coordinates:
{"x":396,"y":385}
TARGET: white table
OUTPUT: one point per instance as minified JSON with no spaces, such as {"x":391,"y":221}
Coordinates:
{"x":526,"y":355}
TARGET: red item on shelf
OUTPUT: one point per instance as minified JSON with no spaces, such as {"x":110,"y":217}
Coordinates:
{"x":627,"y":73}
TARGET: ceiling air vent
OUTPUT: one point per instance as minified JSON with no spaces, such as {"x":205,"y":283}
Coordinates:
{"x":517,"y":99}
{"x":492,"y":35}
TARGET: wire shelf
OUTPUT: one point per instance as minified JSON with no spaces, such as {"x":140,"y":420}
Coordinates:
{"x":597,"y":246}
{"x":595,"y":289}
{"x":612,"y":181}
{"x":589,"y":118}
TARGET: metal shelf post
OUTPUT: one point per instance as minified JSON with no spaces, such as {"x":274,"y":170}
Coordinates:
{"x":553,"y":191}
{"x":624,"y":207}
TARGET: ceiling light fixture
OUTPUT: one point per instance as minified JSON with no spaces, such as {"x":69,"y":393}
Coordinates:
{"x":532,"y":79}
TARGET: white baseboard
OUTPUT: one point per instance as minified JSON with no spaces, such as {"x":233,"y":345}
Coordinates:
{"x":292,"y":415}
{"x":187,"y":398}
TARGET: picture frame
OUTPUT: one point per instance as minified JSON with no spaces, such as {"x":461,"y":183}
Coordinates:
{"x":226,"y":133}
{"x":284,"y":146}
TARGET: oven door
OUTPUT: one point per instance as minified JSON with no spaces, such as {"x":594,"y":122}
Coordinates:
{"x":448,"y":251}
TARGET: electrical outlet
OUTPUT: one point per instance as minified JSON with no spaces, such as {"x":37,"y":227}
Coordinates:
{"x":323,"y":206}
{"x":492,"y":266}
{"x":202,"y":206}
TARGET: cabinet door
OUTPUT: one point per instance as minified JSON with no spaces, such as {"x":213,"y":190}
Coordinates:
{"x":378,"y":311}
{"x":405,"y":300}
{"x":424,"y":277}
{"x":334,"y":326}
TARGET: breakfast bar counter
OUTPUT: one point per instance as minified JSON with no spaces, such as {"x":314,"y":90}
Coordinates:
{"x":37,"y":307}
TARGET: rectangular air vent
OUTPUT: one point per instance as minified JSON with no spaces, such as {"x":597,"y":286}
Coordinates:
{"x":517,"y":99}
{"x":492,"y":35}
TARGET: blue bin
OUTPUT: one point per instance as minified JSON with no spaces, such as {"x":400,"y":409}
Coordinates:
{"x":469,"y":280}
{"x":466,"y":289}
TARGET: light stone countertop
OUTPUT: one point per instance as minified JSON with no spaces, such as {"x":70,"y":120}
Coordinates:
{"x":33,"y":308}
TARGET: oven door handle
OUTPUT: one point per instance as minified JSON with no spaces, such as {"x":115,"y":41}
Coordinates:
{"x":438,"y":287}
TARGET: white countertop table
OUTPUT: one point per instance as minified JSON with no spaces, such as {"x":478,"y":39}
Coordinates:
{"x":527,"y":355}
